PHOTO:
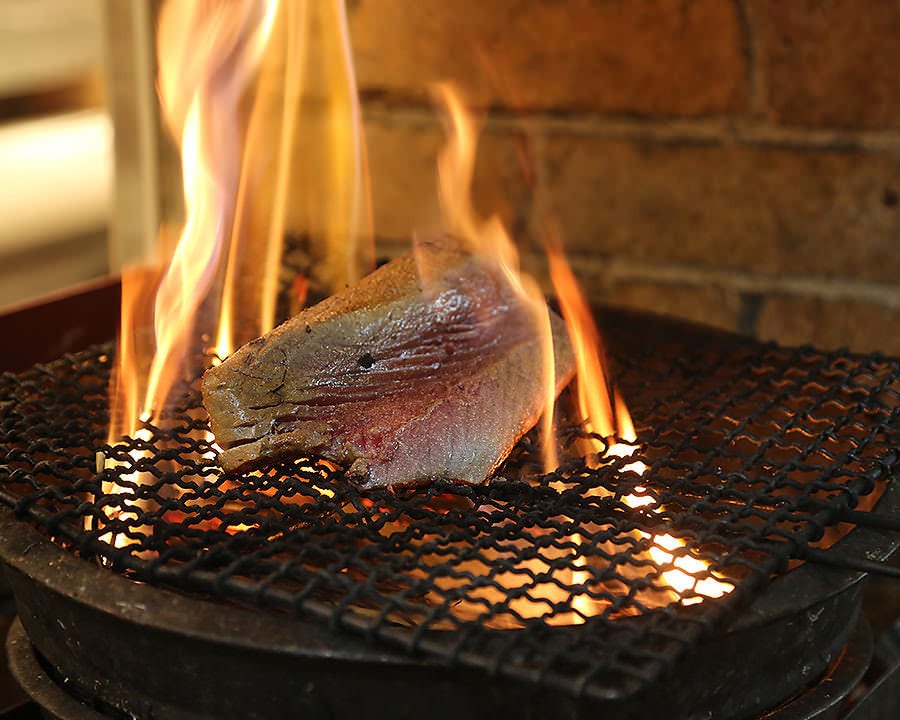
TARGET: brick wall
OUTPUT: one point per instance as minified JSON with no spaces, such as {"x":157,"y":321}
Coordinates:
{"x":735,"y":162}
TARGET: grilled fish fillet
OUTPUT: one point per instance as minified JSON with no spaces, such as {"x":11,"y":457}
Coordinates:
{"x":397,"y":380}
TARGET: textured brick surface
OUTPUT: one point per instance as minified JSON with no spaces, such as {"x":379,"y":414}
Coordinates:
{"x":831,"y":323}
{"x":773,"y":210}
{"x":710,"y":305}
{"x":707,"y":303}
{"x":832,"y":62}
{"x":666,"y":189}
{"x":667,"y":57}
{"x":403,"y":165}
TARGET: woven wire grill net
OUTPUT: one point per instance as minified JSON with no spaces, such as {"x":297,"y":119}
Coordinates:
{"x":746,"y":453}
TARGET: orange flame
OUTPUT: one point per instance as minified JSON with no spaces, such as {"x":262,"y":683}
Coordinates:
{"x":305,"y":106}
{"x":207,"y":55}
{"x":603,"y":409}
{"x":606,"y":414}
{"x":592,"y":382}
{"x":489,"y":239}
{"x":231,"y":243}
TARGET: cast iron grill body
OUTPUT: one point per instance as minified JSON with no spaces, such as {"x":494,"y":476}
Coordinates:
{"x":751,"y":452}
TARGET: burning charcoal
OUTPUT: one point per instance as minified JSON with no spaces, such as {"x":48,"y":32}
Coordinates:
{"x":399,"y":379}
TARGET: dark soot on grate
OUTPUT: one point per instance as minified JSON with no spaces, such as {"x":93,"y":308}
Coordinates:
{"x":751,"y":452}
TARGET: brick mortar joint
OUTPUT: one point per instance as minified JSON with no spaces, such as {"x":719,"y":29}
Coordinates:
{"x":753,"y":50}
{"x":741,"y":281}
{"x":711,"y":130}
{"x":745,"y":281}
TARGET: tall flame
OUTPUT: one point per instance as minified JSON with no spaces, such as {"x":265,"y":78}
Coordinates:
{"x":306,"y":106}
{"x":208,"y":52}
{"x":488,"y":238}
{"x":242,"y":184}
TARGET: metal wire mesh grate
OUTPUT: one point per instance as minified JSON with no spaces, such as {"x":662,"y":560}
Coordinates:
{"x":593,"y":579}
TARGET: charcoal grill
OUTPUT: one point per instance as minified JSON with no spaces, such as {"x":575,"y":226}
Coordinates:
{"x":538,"y":585}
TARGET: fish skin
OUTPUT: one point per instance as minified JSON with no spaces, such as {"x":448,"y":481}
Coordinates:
{"x":397,"y":382}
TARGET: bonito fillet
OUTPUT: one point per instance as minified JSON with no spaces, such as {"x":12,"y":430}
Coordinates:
{"x":401,"y":381}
